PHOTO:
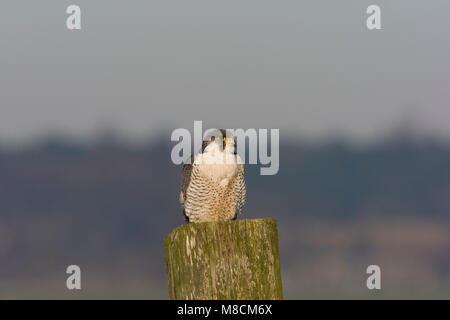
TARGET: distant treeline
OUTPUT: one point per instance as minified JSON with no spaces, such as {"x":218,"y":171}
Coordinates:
{"x":333,"y":179}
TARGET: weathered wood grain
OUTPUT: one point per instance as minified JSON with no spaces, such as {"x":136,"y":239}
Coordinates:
{"x":224,"y":260}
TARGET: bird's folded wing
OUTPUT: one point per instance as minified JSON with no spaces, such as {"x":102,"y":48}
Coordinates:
{"x":240,"y":189}
{"x":185,"y":179}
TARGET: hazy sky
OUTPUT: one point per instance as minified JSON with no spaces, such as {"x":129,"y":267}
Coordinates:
{"x":308,"y":67}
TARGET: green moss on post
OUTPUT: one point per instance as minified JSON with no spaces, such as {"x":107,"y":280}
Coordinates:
{"x":224,"y":260}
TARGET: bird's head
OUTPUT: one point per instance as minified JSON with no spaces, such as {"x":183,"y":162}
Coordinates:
{"x":219,"y":139}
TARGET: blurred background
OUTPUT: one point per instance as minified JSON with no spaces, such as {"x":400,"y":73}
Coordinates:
{"x":86,"y":116}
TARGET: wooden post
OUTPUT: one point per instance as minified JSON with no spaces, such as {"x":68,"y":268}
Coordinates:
{"x":224,"y":260}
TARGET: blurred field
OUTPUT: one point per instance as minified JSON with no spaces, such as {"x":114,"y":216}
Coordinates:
{"x":330,"y":259}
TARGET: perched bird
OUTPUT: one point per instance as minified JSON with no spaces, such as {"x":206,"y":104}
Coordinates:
{"x":213,"y":185}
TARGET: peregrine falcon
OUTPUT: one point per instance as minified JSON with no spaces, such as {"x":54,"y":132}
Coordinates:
{"x":212,"y":184}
